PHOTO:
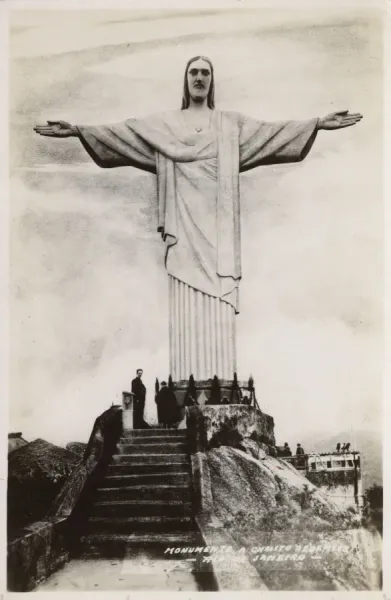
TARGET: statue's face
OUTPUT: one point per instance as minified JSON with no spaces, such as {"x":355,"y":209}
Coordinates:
{"x":139,"y":373}
{"x":199,"y":78}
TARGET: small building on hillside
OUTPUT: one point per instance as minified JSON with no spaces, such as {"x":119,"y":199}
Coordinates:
{"x":338,"y":474}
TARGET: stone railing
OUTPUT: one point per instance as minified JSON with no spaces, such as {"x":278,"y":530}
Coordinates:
{"x":45,"y":546}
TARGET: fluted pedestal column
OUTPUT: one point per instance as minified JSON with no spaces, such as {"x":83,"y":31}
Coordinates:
{"x":202,"y":334}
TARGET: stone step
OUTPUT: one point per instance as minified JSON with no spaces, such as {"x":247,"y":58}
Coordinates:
{"x":181,"y":477}
{"x":147,"y":433}
{"x":148,"y":468}
{"x":159,"y":447}
{"x":140,"y":508}
{"x":141,"y":537}
{"x":153,"y":439}
{"x":147,"y":524}
{"x":129,"y":545}
{"x":153,"y":458}
{"x":144,"y":492}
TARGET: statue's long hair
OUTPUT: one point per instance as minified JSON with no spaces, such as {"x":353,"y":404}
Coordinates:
{"x":186,"y":93}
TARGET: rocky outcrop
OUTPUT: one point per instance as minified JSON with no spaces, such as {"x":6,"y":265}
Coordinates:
{"x":36,"y":473}
{"x":265,"y":503}
{"x":77,"y":448}
{"x":212,"y":426}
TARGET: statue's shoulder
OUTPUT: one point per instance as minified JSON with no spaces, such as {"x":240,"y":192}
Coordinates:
{"x":167,"y":116}
{"x":233,"y":116}
{"x":158,"y":118}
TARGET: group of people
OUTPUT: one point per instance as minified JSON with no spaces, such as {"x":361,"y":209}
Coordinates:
{"x":344,"y":448}
{"x":168,"y":410}
{"x":286,"y":451}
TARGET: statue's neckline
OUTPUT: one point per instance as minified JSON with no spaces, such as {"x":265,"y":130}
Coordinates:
{"x":192,"y":127}
{"x":190,"y":136}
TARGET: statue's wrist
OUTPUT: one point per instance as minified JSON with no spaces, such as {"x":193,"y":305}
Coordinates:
{"x":320,"y":123}
{"x":75,"y":131}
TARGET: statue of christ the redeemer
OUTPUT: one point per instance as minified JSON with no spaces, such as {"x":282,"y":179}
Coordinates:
{"x":197,"y":154}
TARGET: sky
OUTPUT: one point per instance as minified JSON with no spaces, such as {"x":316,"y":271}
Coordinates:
{"x":88,"y":288}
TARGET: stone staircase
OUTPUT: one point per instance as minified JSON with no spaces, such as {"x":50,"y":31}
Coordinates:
{"x":144,"y":501}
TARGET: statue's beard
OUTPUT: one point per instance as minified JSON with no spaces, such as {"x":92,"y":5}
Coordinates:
{"x":198,"y":98}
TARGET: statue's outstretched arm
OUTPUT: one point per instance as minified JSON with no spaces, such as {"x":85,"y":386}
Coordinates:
{"x":115,"y":145}
{"x":338,"y":120}
{"x":57,"y":129}
{"x":268,"y":143}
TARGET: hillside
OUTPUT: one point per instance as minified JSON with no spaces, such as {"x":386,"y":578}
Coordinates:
{"x":369,"y":443}
{"x":77,"y":448}
{"x":266,"y":502}
{"x":36,"y":472}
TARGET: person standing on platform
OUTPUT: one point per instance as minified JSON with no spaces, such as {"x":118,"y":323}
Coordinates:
{"x":139,"y":391}
{"x":287,"y":450}
{"x":300,"y":460}
{"x":167,"y":407}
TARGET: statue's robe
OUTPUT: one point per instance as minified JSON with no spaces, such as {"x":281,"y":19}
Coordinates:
{"x":198,"y":211}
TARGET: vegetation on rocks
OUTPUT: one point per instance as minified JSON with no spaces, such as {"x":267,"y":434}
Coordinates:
{"x":266,"y":502}
{"x":373,"y":507}
{"x":77,"y":448}
{"x":36,"y":473}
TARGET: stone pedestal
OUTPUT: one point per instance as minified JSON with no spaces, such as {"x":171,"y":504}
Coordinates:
{"x":127,"y":410}
{"x":204,"y":423}
{"x":204,"y":391}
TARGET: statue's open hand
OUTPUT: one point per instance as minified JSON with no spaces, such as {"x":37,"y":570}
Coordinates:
{"x":337,"y":120}
{"x":59,"y":129}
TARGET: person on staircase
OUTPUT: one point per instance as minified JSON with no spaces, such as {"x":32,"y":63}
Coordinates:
{"x":167,"y":407}
{"x":139,"y":391}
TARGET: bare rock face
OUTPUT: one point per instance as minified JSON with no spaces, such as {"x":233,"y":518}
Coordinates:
{"x":265,"y":503}
{"x":255,"y":449}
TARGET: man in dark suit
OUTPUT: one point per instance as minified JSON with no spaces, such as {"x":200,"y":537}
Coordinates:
{"x":167,"y":407}
{"x":139,"y":391}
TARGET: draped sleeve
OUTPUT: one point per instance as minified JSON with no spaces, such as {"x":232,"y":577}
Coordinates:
{"x":268,"y":143}
{"x":117,"y":145}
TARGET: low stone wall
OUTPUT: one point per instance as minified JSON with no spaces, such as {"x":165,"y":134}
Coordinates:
{"x":206,"y":422}
{"x":41,"y":549}
{"x":45,"y":546}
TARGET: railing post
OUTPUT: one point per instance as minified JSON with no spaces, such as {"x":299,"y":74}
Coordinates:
{"x":127,"y":410}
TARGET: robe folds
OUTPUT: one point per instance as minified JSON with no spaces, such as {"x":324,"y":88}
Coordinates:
{"x":198,"y":212}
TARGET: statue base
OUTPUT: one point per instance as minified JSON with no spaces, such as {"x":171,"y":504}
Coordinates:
{"x":214,"y":391}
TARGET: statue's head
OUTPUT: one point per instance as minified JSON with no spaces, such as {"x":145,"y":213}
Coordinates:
{"x":199,"y":82}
